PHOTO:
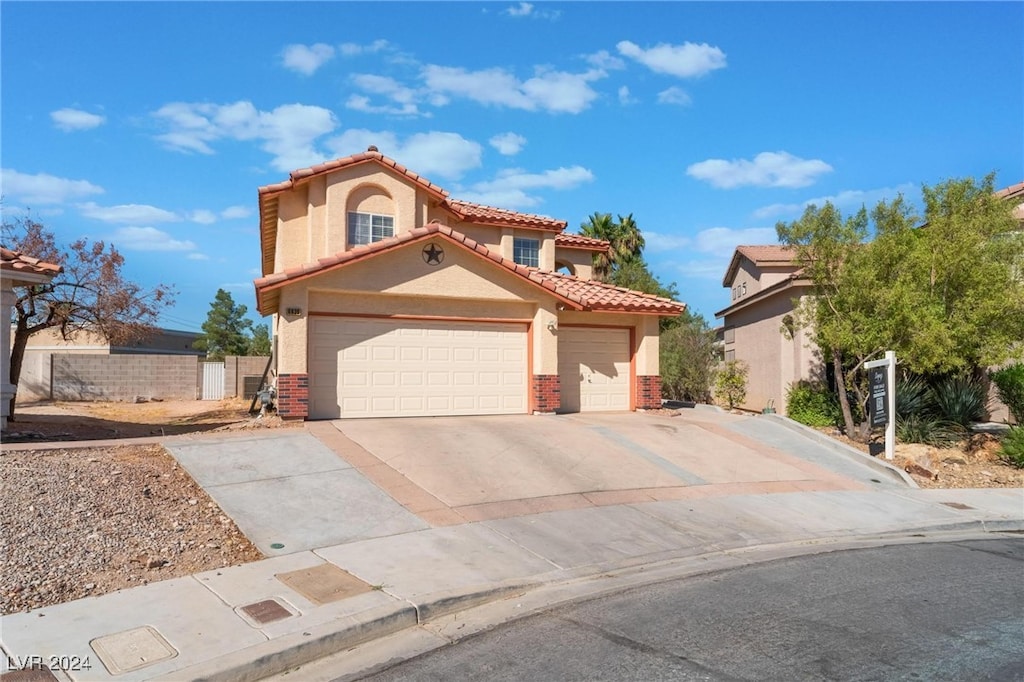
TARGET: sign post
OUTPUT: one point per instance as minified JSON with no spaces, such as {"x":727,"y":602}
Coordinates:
{"x":882,"y":400}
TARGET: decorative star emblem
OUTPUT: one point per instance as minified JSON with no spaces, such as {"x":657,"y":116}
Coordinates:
{"x":433,"y":254}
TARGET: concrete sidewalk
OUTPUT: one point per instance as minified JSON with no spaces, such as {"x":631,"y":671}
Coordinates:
{"x":252,"y":621}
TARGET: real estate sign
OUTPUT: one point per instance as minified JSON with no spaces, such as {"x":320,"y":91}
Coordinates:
{"x":878,"y":405}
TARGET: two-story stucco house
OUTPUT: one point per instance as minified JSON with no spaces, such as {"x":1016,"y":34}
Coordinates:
{"x":765,"y":285}
{"x":390,"y":298}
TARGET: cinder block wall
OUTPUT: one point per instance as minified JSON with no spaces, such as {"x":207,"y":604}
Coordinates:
{"x":236,"y":368}
{"x":123,"y":377}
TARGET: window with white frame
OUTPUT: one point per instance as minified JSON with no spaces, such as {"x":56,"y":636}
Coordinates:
{"x":366,"y":228}
{"x":526,"y":252}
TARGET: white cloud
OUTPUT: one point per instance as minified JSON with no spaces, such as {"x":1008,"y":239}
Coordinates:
{"x":722,"y":241}
{"x":767,"y":169}
{"x":203,"y":216}
{"x":605,"y":60}
{"x":149,"y":239}
{"x":446,"y":155}
{"x":674,"y":95}
{"x":526,"y":9}
{"x":43,"y":188}
{"x":404,"y":97}
{"x":234,"y":212}
{"x":127,"y":213}
{"x":625,"y":98}
{"x":197,"y":256}
{"x":847,"y":200}
{"x":288,"y":133}
{"x":69,"y":120}
{"x":688,"y":60}
{"x":353,"y":49}
{"x":509,"y":187}
{"x":708,"y":252}
{"x":508,"y":144}
{"x":656,"y":242}
{"x":306,"y":59}
{"x":552,"y":91}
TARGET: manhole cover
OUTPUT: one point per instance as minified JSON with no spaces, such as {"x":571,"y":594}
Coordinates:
{"x":957,"y":505}
{"x":132,"y":649}
{"x":266,"y":611}
{"x":324,"y":584}
{"x":31,"y":674}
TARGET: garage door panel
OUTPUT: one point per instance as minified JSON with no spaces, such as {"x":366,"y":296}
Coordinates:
{"x":429,"y":368}
{"x":594,"y":369}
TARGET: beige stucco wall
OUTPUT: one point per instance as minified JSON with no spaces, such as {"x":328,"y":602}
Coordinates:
{"x":774,"y":361}
{"x":756,"y":278}
{"x":582,"y":262}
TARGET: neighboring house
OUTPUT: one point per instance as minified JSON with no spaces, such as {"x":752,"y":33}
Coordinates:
{"x":764,"y":283}
{"x":766,"y":286}
{"x":389,"y":298}
{"x":16,"y":269}
{"x":36,"y":382}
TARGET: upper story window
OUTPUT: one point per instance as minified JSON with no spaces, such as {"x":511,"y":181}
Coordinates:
{"x":526,"y":252}
{"x":366,"y":228}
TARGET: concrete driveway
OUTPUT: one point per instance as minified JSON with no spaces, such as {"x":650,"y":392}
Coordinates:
{"x":349,"y":480}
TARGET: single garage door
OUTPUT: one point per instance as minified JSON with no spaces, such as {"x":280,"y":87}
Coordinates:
{"x":593,"y":368}
{"x":362,"y":367}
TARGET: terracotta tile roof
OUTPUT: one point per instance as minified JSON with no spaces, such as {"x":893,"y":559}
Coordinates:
{"x":578,"y":241}
{"x":479,"y":213}
{"x":575,"y":293}
{"x":1011,"y":191}
{"x":14,"y":263}
{"x":370,"y":155}
{"x":761,"y":255}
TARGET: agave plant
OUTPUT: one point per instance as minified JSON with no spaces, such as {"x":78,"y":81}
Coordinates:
{"x":960,"y":400}
{"x":913,"y":397}
{"x":928,"y":429}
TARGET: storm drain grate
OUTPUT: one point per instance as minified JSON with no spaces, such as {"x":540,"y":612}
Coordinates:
{"x":324,"y":584}
{"x":957,"y":505}
{"x":266,"y":611}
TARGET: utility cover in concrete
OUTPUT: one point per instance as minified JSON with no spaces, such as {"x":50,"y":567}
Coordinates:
{"x":324,"y":584}
{"x":132,"y":649}
{"x":266,"y":611}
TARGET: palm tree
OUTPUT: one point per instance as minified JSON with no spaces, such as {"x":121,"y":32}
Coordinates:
{"x":629,"y":244}
{"x":601,"y":226}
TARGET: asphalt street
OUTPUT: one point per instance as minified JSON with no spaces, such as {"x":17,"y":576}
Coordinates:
{"x":941,"y":611}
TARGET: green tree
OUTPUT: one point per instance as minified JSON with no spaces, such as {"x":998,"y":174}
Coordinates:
{"x":601,"y":226}
{"x":625,"y":239}
{"x":91,"y":295}
{"x":225,"y":329}
{"x":687,"y":359}
{"x":259,"y":342}
{"x":943,"y":296}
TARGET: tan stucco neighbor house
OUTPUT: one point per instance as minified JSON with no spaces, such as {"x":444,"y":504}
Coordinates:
{"x":766,"y":285}
{"x":390,"y":298}
{"x":16,"y":269}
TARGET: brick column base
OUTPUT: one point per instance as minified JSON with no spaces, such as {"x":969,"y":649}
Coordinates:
{"x":648,"y":392}
{"x":293,"y":396}
{"x":547,"y":393}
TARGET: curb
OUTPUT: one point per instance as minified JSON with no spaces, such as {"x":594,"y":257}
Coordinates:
{"x":820,"y":438}
{"x":290,"y":651}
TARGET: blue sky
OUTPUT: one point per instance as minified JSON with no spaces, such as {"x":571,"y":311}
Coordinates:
{"x":151,"y":125}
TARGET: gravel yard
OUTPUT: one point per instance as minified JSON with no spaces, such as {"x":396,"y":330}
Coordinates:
{"x":84,"y":522}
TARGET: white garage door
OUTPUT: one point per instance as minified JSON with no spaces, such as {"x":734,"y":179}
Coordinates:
{"x":361,"y":367}
{"x":593,"y":368}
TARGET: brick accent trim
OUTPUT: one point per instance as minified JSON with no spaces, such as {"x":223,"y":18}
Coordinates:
{"x":648,"y":392}
{"x":293,"y":396}
{"x":547,"y":393}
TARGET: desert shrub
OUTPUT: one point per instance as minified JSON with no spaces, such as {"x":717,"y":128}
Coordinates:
{"x":928,"y":429}
{"x":812,"y":404}
{"x":1009,"y":383}
{"x":1011,"y":449}
{"x":960,"y":400}
{"x":731,"y":383}
{"x":913,"y":396}
{"x":687,"y":360}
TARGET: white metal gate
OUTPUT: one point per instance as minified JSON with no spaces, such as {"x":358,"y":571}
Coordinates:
{"x":213,"y":380}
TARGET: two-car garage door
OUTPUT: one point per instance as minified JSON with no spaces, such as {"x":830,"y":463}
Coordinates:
{"x":372,"y":367}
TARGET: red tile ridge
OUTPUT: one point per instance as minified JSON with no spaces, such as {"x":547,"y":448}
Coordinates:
{"x":17,"y":261}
